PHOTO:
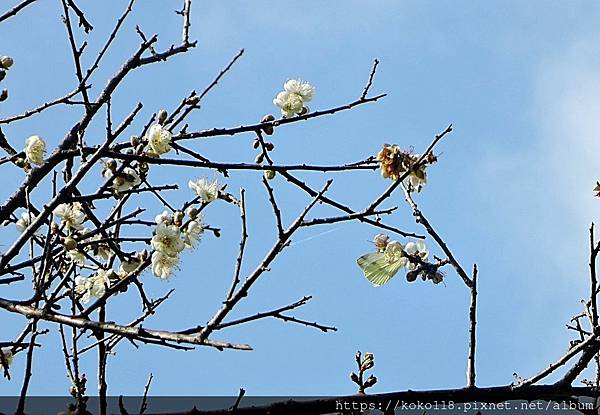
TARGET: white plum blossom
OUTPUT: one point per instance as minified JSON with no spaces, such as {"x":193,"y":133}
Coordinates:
{"x":163,"y":265}
{"x":99,"y":250}
{"x":289,"y":103}
{"x":418,"y":249}
{"x":167,"y":239}
{"x":77,"y":257}
{"x":207,"y":190}
{"x":129,"y":266}
{"x":192,"y":233}
{"x":35,"y":148}
{"x":302,"y":88}
{"x":83,"y":286}
{"x":159,"y":139}
{"x":125,"y":180}
{"x":94,"y":286}
{"x":71,"y":215}
{"x":24,"y":221}
{"x":417,"y":178}
{"x":165,"y":218}
{"x":296,"y":93}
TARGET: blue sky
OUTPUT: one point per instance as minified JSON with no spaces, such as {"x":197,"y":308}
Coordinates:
{"x":511,"y":191}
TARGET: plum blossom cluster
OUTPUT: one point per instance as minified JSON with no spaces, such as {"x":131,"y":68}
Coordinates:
{"x":172,"y":235}
{"x":71,"y":215}
{"x":94,"y":286}
{"x":205,"y":189}
{"x":122,"y":179}
{"x":292,"y":100}
{"x":395,"y":162}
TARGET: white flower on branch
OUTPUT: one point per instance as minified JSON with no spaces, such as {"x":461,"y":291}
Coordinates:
{"x":94,"y":286}
{"x":302,"y":88}
{"x":292,"y":99}
{"x":71,"y":215}
{"x":98,"y":249}
{"x":129,"y":265}
{"x":165,"y":218}
{"x":289,"y":103}
{"x":24,"y":221}
{"x":77,"y":257}
{"x":159,"y":139}
{"x":8,"y":356}
{"x":417,"y":249}
{"x":192,"y":233}
{"x":167,"y":239}
{"x":126,"y":180}
{"x":35,"y":148}
{"x":417,"y":178}
{"x":208,"y":191}
{"x":163,"y":265}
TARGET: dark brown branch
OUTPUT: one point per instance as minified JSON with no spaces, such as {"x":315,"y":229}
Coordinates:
{"x":138,"y":333}
{"x":282,"y":121}
{"x":472,"y":331}
{"x":387,"y":402}
{"x":243,"y":238}
{"x":276,"y":210}
{"x":63,"y":100}
{"x":560,"y":362}
{"x":421,"y":219}
{"x":83,"y":22}
{"x":281,"y":242}
{"x":370,"y":81}
{"x":12,"y":12}
{"x":594,"y":248}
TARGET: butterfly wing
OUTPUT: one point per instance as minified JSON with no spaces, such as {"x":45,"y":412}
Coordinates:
{"x":377,"y":268}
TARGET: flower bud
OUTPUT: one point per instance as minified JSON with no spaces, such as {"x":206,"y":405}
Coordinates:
{"x":354,"y":377}
{"x":269,"y":146}
{"x":134,"y":140}
{"x":178,"y":217}
{"x":4,"y":95}
{"x":69,"y":243}
{"x":111,"y":165}
{"x":144,"y":167}
{"x":255,"y":143}
{"x":367,"y":365}
{"x":2,"y":74}
{"x":162,"y":116}
{"x":20,"y":162}
{"x":411,"y":276}
{"x":267,"y":118}
{"x":6,"y":62}
{"x":304,"y":110}
{"x":371,"y":380}
{"x":269,"y":174}
{"x":268,"y":129}
{"x":259,"y":159}
{"x":192,"y":212}
{"x":193,"y":100}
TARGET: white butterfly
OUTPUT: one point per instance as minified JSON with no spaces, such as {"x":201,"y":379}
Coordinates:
{"x":380,"y":267}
